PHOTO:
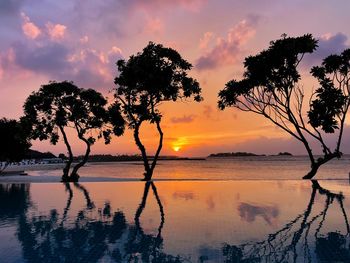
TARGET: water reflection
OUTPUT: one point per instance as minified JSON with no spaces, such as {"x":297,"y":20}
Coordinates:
{"x":95,"y":235}
{"x":89,"y":230}
{"x":292,"y":242}
{"x":14,"y":200}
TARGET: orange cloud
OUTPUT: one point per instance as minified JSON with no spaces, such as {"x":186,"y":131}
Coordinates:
{"x":56,"y":31}
{"x":29,"y":29}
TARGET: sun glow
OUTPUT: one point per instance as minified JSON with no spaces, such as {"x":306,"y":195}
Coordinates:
{"x":176,"y":148}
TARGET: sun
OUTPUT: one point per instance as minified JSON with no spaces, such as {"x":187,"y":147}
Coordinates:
{"x":176,"y":148}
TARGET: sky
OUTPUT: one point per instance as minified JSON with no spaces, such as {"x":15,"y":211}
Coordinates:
{"x":81,"y":40}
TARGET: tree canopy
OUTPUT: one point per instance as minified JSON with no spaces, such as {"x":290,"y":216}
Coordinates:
{"x":155,"y":75}
{"x":61,"y":105}
{"x":14,"y":140}
{"x":270,"y":87}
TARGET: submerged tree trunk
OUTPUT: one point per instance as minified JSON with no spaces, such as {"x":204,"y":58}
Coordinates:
{"x":74,"y":177}
{"x":65,"y":176}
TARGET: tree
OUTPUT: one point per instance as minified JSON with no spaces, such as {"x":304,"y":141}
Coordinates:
{"x":271,"y":88}
{"x":61,"y":105}
{"x":147,"y":79}
{"x":14,"y":141}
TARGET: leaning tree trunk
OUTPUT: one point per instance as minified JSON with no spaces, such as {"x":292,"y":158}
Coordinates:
{"x":320,"y":161}
{"x":148,"y":173}
{"x":65,"y":176}
{"x":160,"y":145}
{"x":74,"y":177}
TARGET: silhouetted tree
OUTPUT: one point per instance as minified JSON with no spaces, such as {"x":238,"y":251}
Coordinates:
{"x":271,"y":88}
{"x":61,"y":105}
{"x":14,"y":141}
{"x":147,"y":79}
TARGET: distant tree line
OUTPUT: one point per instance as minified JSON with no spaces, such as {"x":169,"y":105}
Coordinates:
{"x":270,"y":87}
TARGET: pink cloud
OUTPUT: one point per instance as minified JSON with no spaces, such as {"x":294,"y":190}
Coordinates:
{"x":29,"y":29}
{"x":154,"y":26}
{"x":84,"y":39}
{"x":192,"y":5}
{"x":204,"y":41}
{"x":56,"y":31}
{"x":228,"y":50}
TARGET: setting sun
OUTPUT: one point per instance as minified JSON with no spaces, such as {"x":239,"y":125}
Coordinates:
{"x":176,"y":148}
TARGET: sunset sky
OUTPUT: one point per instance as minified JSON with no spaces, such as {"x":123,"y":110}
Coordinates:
{"x":81,"y":40}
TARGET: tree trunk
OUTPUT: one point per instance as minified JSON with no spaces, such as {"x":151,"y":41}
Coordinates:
{"x":65,"y":176}
{"x":160,"y":145}
{"x":316,"y":165}
{"x":148,"y":173}
{"x":313,"y":171}
{"x":74,"y":177}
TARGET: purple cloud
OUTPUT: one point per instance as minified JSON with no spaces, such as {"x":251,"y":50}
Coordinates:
{"x":10,"y":7}
{"x":327,"y":45}
{"x":183,"y":119}
{"x":227,"y":51}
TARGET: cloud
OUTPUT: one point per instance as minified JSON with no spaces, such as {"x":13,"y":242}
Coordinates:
{"x":227,"y":51}
{"x":191,"y":5}
{"x":327,"y":44}
{"x":29,"y":29}
{"x":84,"y":39}
{"x":10,"y":7}
{"x":204,"y":41}
{"x":60,"y":61}
{"x":249,"y":212}
{"x":154,"y":26}
{"x":56,"y":31}
{"x":183,"y":119}
{"x":50,"y":58}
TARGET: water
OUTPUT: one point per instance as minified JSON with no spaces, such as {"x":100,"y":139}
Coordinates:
{"x":176,"y":221}
{"x":238,"y":168}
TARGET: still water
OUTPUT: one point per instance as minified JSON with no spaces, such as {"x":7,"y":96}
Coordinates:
{"x":176,"y":221}
{"x":238,"y":168}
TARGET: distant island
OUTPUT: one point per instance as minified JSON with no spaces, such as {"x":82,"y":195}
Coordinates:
{"x":130,"y":158}
{"x":245,"y":154}
{"x":284,"y":154}
{"x":235,"y":154}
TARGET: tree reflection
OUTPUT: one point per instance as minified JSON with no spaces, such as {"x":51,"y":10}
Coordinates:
{"x":14,"y":200}
{"x":147,"y":247}
{"x":292,"y":242}
{"x":93,"y":235}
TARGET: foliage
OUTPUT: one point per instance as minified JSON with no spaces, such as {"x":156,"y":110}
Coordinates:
{"x":271,"y":88}
{"x":147,"y":79}
{"x":60,"y":105}
{"x":14,"y":140}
